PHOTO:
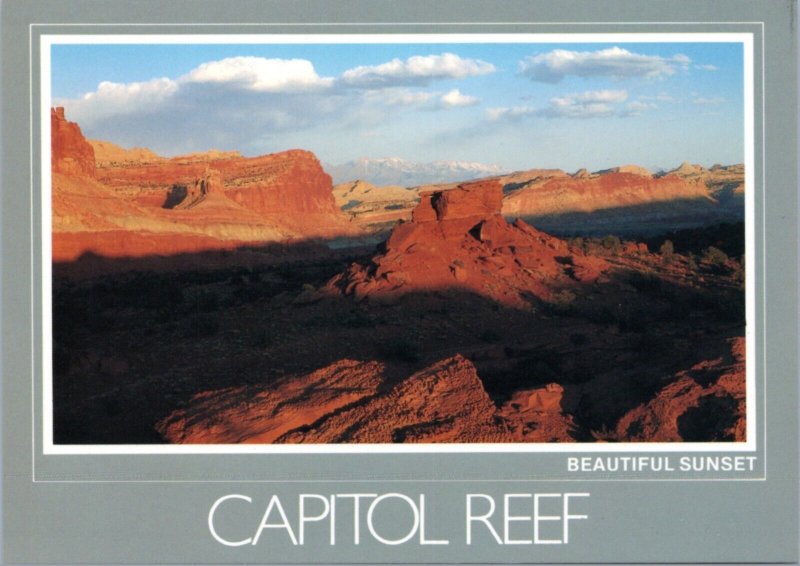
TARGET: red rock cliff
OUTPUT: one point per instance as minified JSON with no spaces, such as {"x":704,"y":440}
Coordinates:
{"x":589,"y":194}
{"x":272,"y":184}
{"x":289,"y":188}
{"x":70,"y":152}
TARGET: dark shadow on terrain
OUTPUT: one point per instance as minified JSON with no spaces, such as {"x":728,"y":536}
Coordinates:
{"x":716,"y":414}
{"x":91,"y":265}
{"x":175,"y":196}
{"x":135,"y":342}
{"x":726,"y":236}
{"x":645,"y":219}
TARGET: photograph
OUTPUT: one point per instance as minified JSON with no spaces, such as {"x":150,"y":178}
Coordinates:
{"x":345,"y":282}
{"x":474,"y":239}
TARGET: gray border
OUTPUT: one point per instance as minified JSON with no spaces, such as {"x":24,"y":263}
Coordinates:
{"x":114,"y":468}
{"x":630,"y":521}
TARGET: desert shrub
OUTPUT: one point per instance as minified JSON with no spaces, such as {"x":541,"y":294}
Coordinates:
{"x":577,"y":242}
{"x":715,"y":256}
{"x":667,"y":251}
{"x":612,"y":244}
{"x":563,"y":301}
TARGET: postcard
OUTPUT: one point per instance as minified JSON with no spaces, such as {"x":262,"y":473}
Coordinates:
{"x":326,"y":284}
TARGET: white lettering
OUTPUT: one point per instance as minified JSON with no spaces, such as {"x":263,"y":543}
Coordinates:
{"x":482,"y":518}
{"x":508,"y":517}
{"x":213,"y":510}
{"x":275,"y":503}
{"x":326,"y":508}
{"x":537,"y":518}
{"x":568,"y":517}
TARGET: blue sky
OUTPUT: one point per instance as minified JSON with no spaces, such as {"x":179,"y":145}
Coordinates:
{"x":518,"y":106}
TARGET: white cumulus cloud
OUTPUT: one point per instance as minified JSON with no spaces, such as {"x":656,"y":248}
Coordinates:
{"x":260,"y":74}
{"x":588,"y":104}
{"x":614,"y":62}
{"x":112,"y":98}
{"x":233,"y":78}
{"x":454,"y":99}
{"x":707,"y":67}
{"x":416,"y":70}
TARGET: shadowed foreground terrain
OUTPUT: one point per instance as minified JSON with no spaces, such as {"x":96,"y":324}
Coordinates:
{"x":279,"y":351}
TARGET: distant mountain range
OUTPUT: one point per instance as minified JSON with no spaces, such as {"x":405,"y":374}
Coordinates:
{"x":397,"y":171}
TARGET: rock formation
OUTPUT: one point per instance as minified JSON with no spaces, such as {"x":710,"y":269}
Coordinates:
{"x":627,"y":199}
{"x":289,"y":189}
{"x":266,"y":414}
{"x":203,"y":187}
{"x":372,"y":207}
{"x":71,"y":154}
{"x":632,"y":169}
{"x":595,"y":193}
{"x":442,"y":403}
{"x":536,"y":415}
{"x":107,"y":154}
{"x":704,"y":403}
{"x":154,"y":206}
{"x":347,"y":401}
{"x":725,"y":183}
{"x":458,"y":238}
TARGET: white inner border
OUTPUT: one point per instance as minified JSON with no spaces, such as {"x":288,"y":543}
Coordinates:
{"x":48,"y":40}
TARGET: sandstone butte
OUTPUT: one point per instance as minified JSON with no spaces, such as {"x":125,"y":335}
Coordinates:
{"x":192,"y":203}
{"x":458,"y":239}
